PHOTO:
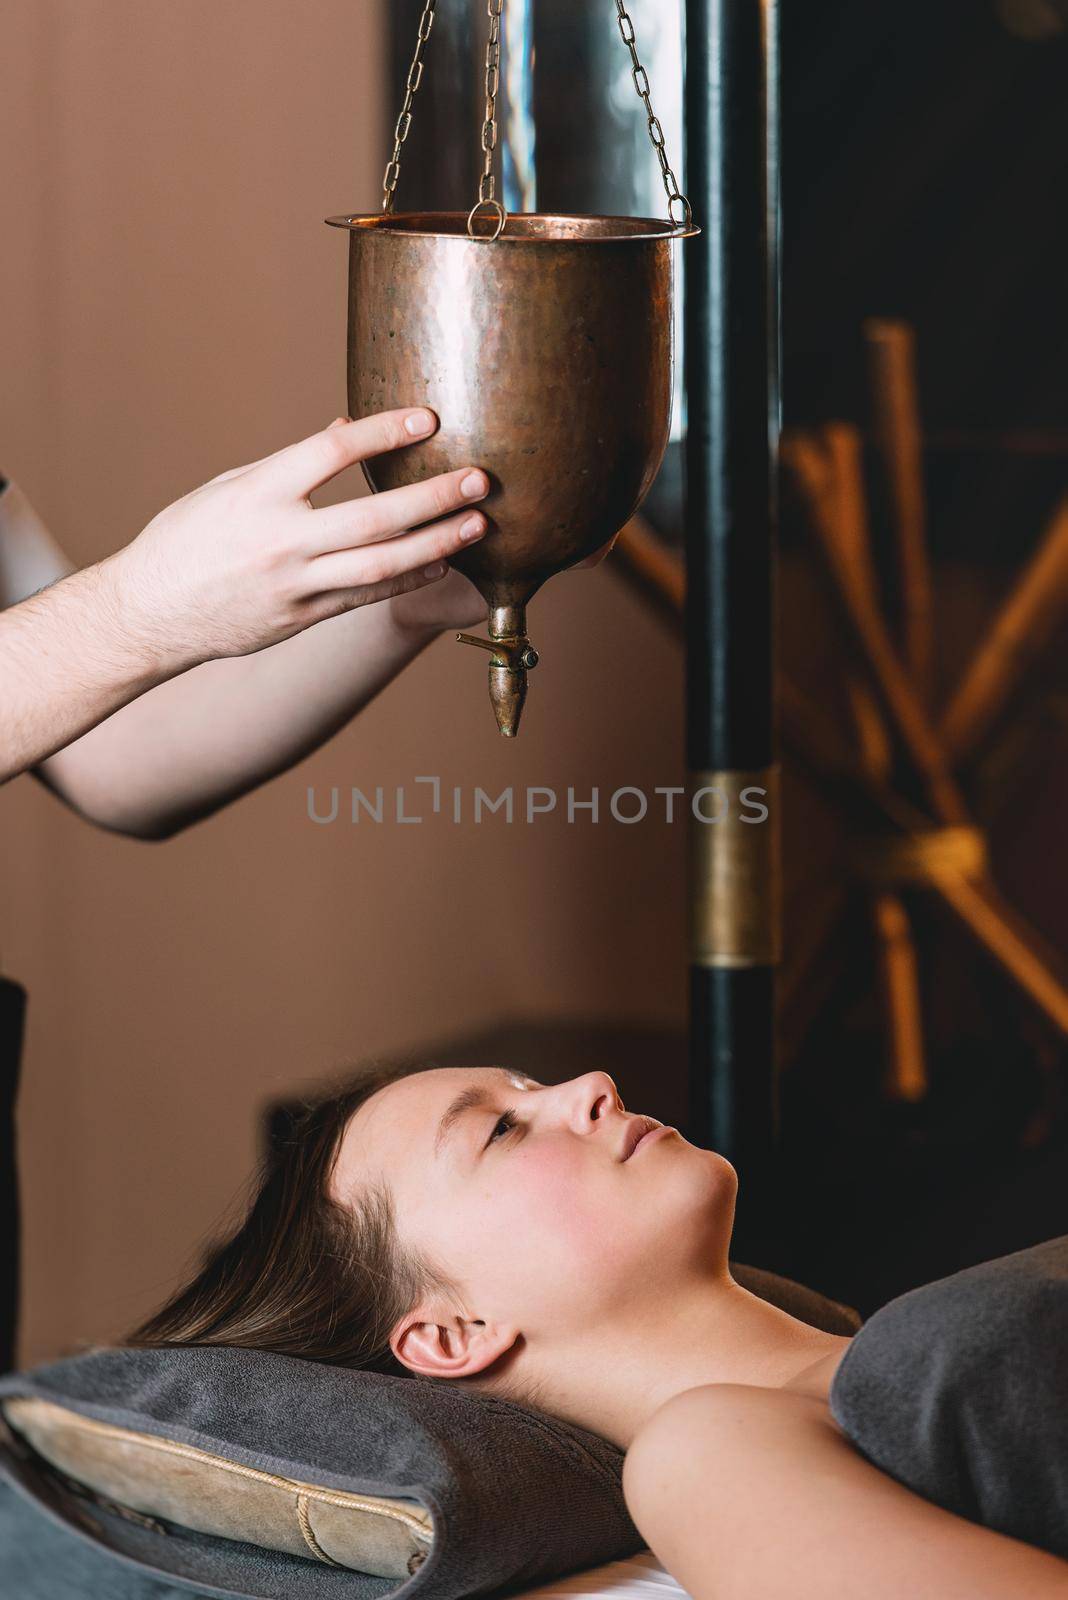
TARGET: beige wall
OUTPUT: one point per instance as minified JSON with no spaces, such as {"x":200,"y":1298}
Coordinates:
{"x":170,"y":304}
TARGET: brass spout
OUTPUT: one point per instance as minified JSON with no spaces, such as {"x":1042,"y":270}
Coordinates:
{"x":513,"y":656}
{"x":508,"y":696}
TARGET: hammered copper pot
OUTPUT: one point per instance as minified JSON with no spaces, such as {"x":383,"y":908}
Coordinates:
{"x":547,"y":354}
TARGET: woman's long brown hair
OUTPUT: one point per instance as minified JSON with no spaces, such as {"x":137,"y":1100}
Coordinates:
{"x":302,"y":1275}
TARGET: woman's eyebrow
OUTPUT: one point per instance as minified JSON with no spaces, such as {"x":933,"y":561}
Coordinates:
{"x":476,"y":1097}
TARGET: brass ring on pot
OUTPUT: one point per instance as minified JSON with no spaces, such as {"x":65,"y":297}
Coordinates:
{"x":686,"y":220}
{"x":502,"y":218}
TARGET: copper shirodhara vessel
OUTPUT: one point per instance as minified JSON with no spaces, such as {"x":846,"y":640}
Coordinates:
{"x":547,"y":354}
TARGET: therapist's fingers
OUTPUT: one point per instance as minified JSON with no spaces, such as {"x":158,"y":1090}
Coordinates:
{"x":380,"y":516}
{"x":307,"y":465}
{"x":336,"y":601}
{"x":387,"y":559}
{"x":236,"y":472}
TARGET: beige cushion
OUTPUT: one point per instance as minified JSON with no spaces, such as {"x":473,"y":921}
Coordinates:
{"x":162,"y":1478}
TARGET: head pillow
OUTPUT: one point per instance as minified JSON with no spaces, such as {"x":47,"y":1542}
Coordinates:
{"x":264,"y":1476}
{"x":243,"y":1473}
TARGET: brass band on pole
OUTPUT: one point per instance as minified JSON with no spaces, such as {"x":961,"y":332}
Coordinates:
{"x":735,"y":868}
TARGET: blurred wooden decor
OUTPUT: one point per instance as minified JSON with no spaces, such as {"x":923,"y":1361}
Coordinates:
{"x":891,"y":768}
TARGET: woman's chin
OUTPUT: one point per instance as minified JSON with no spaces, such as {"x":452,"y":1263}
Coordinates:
{"x":695,"y":1198}
{"x":719,"y":1182}
{"x":709,"y":1167}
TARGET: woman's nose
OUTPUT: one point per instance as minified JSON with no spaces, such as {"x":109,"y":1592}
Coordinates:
{"x":595,"y":1097}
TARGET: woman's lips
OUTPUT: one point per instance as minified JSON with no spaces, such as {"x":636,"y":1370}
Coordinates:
{"x":650,"y":1137}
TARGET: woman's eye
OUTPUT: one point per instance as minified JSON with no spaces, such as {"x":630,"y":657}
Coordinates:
{"x":503,"y":1126}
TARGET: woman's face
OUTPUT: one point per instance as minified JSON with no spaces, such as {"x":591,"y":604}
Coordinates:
{"x":533,"y":1199}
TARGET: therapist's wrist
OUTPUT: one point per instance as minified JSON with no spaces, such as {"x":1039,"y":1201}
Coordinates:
{"x":151,"y":645}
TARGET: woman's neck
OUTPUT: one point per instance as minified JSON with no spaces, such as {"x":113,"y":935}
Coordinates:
{"x":713,"y":1332}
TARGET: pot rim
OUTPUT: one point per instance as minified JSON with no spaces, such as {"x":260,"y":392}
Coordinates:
{"x":628,"y":228}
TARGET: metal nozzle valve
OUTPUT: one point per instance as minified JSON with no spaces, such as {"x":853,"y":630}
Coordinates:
{"x":515,"y":654}
{"x":512,"y":657}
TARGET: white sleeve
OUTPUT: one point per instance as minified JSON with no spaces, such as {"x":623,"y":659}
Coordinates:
{"x":29,"y":556}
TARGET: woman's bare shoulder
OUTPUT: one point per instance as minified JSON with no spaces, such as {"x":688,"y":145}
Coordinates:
{"x":698,"y":1435}
{"x":696,"y":1416}
{"x":745,"y":1491}
{"x":692,"y":1473}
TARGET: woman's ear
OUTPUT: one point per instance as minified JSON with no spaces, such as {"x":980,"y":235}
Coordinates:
{"x":441,"y":1344}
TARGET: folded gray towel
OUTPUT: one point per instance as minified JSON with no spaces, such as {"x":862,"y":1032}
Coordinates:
{"x":960,"y":1391}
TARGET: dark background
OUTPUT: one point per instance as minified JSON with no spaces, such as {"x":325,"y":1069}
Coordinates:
{"x":924,"y":178}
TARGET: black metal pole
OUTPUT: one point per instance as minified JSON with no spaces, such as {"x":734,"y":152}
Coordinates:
{"x":12,"y":1017}
{"x":732,"y":385}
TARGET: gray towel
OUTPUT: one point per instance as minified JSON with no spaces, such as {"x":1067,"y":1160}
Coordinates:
{"x":960,"y":1391}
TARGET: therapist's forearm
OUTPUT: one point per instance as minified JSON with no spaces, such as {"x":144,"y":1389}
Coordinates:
{"x":70,"y":656}
{"x":192,"y":745}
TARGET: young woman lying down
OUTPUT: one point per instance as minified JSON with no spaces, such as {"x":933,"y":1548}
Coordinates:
{"x":542,"y":1244}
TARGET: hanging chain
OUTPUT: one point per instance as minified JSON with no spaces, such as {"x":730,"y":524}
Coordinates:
{"x":656,"y":132}
{"x":487,"y":182}
{"x":487,"y":186}
{"x":404,"y":121}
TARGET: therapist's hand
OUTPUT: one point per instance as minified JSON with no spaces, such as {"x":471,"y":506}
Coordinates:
{"x":246,"y":560}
